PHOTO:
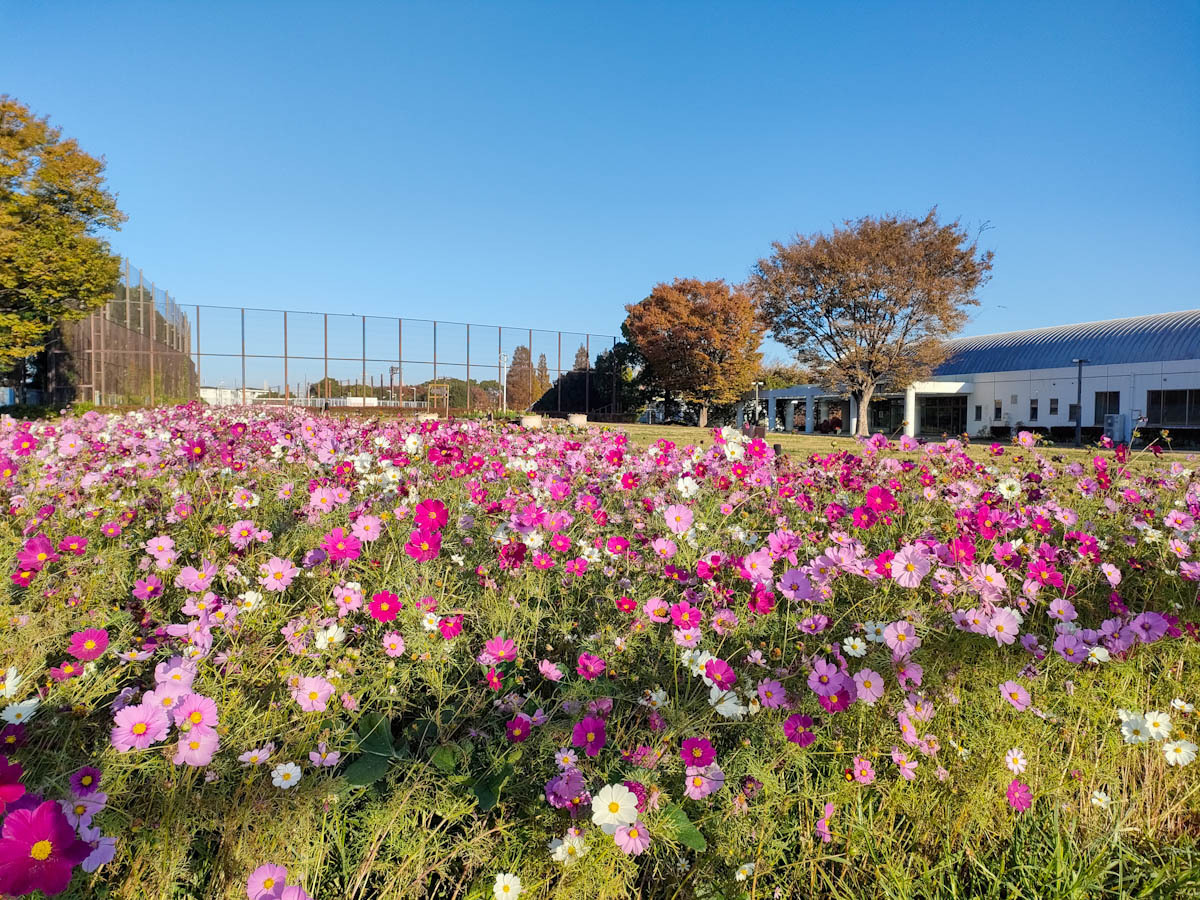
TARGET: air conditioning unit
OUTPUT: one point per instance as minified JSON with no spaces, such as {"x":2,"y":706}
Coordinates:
{"x":1114,"y":426}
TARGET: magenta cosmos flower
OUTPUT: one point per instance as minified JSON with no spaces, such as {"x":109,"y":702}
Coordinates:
{"x":423,"y":546}
{"x":589,"y":734}
{"x":88,"y":644}
{"x":11,"y":789}
{"x":38,"y":850}
{"x":1020,"y":797}
{"x":697,"y":751}
{"x":589,"y":666}
{"x":797,"y":728}
{"x":384,"y":606}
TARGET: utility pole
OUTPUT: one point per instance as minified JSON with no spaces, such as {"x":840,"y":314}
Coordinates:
{"x":1079,"y":401}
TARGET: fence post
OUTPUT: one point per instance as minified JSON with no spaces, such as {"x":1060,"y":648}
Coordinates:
{"x":92,"y":354}
{"x":400,"y":357}
{"x":499,"y":365}
{"x":125,"y":292}
{"x":530,"y":404}
{"x":153,"y":336}
{"x":243,"y":356}
{"x":468,"y":368}
{"x":141,"y":305}
{"x":287,"y":397}
{"x":587,"y":375}
{"x":326,"y":356}
{"x":435,"y":352}
{"x":559,"y":379}
{"x":613,"y":360}
{"x":198,"y":379}
{"x":364,"y":360}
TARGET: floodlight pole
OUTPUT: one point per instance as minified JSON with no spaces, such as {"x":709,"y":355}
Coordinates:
{"x":1079,"y":401}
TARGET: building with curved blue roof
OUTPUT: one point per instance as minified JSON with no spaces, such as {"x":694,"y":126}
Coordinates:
{"x":1115,"y":375}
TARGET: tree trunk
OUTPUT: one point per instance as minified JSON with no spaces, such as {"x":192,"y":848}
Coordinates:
{"x":703,"y":415}
{"x":863,"y":398}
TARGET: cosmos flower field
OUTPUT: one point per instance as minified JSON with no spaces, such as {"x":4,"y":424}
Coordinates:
{"x":269,"y":654}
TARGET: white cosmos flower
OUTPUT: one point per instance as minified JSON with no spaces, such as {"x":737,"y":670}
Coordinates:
{"x":429,"y":621}
{"x":744,"y":872}
{"x":1179,"y":753}
{"x":1008,"y":489}
{"x":1125,"y":714}
{"x":12,"y":681}
{"x":615,"y":805}
{"x":1133,"y":729}
{"x":1101,"y":800}
{"x":1098,"y":655}
{"x":285,"y":775}
{"x":1179,"y":705}
{"x":1158,"y":725}
{"x":874,"y":631}
{"x":1015,"y":761}
{"x":15,"y":713}
{"x":687,"y":487}
{"x":507,"y":887}
{"x":855,"y":646}
{"x":567,"y":850}
{"x":727,"y":703}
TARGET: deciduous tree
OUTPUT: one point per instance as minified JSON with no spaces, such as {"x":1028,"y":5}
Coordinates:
{"x":699,"y":340}
{"x":872,"y":303}
{"x":54,"y":265}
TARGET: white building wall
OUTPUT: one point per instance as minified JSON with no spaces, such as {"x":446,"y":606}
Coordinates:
{"x":1132,"y":380}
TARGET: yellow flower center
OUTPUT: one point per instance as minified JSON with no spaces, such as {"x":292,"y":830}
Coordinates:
{"x":139,"y":728}
{"x":614,"y":807}
{"x":41,"y":850}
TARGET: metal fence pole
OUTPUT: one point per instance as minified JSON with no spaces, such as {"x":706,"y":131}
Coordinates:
{"x":587,"y":375}
{"x":103,"y":362}
{"x":326,"y":356}
{"x":613,"y":360}
{"x":141,"y":305}
{"x":400,"y":356}
{"x":243,"y":356}
{"x":153,"y":336}
{"x":499,"y":364}
{"x":364,"y":360}
{"x":530,"y":404}
{"x":198,"y":380}
{"x":92,"y":354}
{"x":287,"y":394}
{"x":468,"y":368}
{"x":125,"y":293}
{"x":559,"y":379}
{"x":435,"y":352}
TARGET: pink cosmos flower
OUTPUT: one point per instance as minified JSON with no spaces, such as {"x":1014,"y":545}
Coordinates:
{"x":1003,"y":627}
{"x":277,"y":574}
{"x":195,"y":712}
{"x":863,"y":771}
{"x":720,"y":673}
{"x":196,"y":748}
{"x":902,"y":638}
{"x":679,"y":518}
{"x":312,"y":693}
{"x":797,"y":729}
{"x":518,"y":728}
{"x":1015,"y":694}
{"x":823,"y":831}
{"x":869,"y":685}
{"x":393,"y":644}
{"x":11,"y":788}
{"x":341,"y":546}
{"x":431,"y":515}
{"x":366,"y":528}
{"x":550,"y":671}
{"x":909,"y":567}
{"x":137,"y":727}
{"x":907,"y":766}
{"x":266,"y":882}
{"x":632,"y":839}
{"x":423,"y":546}
{"x":501,"y":648}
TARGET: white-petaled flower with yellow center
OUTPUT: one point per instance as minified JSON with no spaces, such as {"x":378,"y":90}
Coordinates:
{"x":1101,"y":800}
{"x":1181,"y":705}
{"x":1158,"y":725}
{"x":1015,"y":761}
{"x":613,"y":806}
{"x":10,"y":683}
{"x":507,"y":887}
{"x":16,"y":713}
{"x":855,"y":646}
{"x":567,"y":850}
{"x":1179,"y":753}
{"x":745,"y":870}
{"x":285,"y":775}
{"x":1134,"y":731}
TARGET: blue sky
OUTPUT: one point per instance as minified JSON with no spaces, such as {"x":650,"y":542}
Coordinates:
{"x":544,"y":164}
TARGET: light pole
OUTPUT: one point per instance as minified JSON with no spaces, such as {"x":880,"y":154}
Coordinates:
{"x":757,"y":385}
{"x":1079,"y":401}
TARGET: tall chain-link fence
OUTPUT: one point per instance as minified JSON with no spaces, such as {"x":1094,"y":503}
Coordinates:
{"x":143,"y":348}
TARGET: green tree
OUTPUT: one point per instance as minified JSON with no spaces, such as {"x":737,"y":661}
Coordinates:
{"x":581,"y":359}
{"x":54,"y":265}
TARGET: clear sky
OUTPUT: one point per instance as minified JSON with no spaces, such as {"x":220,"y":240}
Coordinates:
{"x":546,"y":163}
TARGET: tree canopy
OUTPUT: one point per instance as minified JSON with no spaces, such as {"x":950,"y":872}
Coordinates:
{"x":54,"y":265}
{"x":872,"y":303}
{"x":699,"y":340}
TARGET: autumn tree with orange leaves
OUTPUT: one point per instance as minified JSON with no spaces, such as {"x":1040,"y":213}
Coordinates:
{"x":699,"y":341}
{"x":872,"y":303}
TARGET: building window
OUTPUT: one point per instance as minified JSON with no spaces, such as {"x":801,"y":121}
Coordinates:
{"x":1054,"y":406}
{"x":978,"y":412}
{"x":1173,"y":407}
{"x":1073,"y":413}
{"x":999,"y":412}
{"x":942,"y":415}
{"x":1107,"y":402}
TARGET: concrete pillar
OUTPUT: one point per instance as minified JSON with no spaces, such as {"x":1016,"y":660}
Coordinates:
{"x":852,"y":419}
{"x":741,"y":415}
{"x":910,"y":412}
{"x":810,"y":414}
{"x":771,"y":426}
{"x":789,"y":415}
